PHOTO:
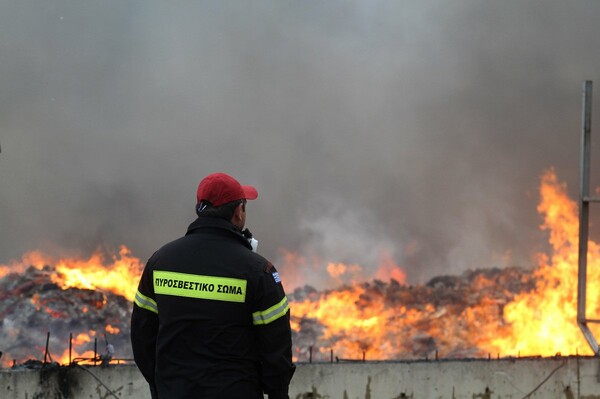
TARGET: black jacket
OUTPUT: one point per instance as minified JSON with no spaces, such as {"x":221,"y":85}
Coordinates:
{"x":211,"y":319}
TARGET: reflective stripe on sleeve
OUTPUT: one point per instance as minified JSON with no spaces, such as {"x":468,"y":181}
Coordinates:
{"x":273,"y":313}
{"x":198,"y":286}
{"x":145,"y":303}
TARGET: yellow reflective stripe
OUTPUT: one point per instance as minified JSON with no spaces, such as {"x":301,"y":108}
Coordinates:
{"x":271,"y":314}
{"x":200,"y":287}
{"x":145,"y":303}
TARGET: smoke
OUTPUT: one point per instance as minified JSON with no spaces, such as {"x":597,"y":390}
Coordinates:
{"x":416,"y":128}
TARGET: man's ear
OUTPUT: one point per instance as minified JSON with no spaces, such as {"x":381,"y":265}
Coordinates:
{"x":237,"y":212}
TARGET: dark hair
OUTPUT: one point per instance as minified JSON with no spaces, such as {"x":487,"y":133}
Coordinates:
{"x":225,"y":211}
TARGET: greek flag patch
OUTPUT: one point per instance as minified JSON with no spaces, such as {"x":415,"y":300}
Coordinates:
{"x":276,"y":278}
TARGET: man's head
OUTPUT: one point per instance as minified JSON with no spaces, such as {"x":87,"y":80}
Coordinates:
{"x":220,"y":195}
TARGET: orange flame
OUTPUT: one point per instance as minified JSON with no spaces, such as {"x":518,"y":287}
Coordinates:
{"x":78,"y":351}
{"x":544,"y":322}
{"x":538,"y":322}
{"x":389,"y":270}
{"x":119,"y":275}
{"x":112,"y":330}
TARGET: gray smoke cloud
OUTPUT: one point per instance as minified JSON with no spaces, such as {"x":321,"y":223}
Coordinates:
{"x":415,"y":129}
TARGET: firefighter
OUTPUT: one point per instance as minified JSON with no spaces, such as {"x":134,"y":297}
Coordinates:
{"x":210,"y":317}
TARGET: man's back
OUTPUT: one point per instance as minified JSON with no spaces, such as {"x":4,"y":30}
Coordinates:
{"x":207,"y":287}
{"x":206,"y":335}
{"x":210,"y":317}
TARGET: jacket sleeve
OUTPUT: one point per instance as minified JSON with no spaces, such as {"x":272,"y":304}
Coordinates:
{"x":144,"y":327}
{"x":271,"y":319}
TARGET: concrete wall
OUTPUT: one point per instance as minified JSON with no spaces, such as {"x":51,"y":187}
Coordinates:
{"x":570,"y":378}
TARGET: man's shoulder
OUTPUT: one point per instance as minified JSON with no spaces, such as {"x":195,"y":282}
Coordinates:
{"x":173,"y":247}
{"x":180,"y":243}
{"x":253,"y":262}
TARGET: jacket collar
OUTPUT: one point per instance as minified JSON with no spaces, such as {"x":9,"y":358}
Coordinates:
{"x":206,"y":224}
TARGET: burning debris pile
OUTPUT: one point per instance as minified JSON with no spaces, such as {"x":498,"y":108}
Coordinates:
{"x":374,"y":320}
{"x":379,"y":320}
{"x":485,"y":313}
{"x":482,"y":313}
{"x":32,"y":305}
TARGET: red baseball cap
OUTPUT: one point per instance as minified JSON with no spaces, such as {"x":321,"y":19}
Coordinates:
{"x":220,"y":188}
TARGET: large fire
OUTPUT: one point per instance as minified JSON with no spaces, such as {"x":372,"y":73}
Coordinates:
{"x":538,"y":321}
{"x":70,"y":296}
{"x":503,"y":313}
{"x":543,"y":322}
{"x":118,"y":275}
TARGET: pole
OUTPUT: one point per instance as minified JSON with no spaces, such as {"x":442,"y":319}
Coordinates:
{"x":47,"y":344}
{"x":584,"y":204}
